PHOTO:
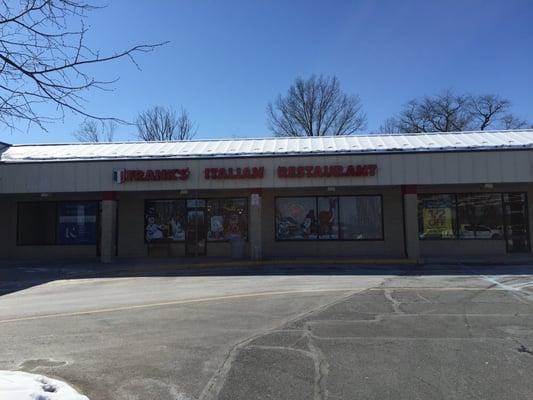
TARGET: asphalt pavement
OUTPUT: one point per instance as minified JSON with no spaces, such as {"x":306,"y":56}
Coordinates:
{"x":333,"y":332}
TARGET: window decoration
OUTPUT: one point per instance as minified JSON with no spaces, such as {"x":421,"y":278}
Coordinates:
{"x":227,"y":218}
{"x":165,"y":220}
{"x":77,"y":223}
{"x":329,"y":218}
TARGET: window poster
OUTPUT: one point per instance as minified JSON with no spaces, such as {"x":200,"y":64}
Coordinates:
{"x":227,"y":218}
{"x":437,"y":217}
{"x":77,"y":223}
{"x":165,"y":220}
{"x":296,"y":218}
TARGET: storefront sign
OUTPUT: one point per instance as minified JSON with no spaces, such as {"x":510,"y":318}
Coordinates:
{"x":327,"y":171}
{"x":235,"y":173}
{"x":130,"y":175}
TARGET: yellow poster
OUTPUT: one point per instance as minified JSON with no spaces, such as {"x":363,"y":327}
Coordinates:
{"x":438,"y":222}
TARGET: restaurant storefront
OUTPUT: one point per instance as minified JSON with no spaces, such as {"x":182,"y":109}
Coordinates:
{"x":370,"y":197}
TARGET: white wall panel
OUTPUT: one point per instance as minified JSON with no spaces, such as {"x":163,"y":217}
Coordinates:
{"x":393,"y":169}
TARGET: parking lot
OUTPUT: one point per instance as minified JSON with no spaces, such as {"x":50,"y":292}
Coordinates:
{"x":317,"y":332}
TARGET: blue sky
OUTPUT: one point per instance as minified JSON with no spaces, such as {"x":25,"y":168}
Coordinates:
{"x":227,"y":59}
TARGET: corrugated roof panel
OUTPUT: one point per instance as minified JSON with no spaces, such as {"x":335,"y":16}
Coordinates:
{"x":268,"y":146}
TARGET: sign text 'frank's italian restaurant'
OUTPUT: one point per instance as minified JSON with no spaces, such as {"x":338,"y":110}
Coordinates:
{"x":391,"y":197}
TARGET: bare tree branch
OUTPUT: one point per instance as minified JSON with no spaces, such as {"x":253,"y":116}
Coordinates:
{"x":44,"y":60}
{"x":162,"y":124}
{"x":92,"y":130}
{"x":316,"y":107}
{"x":447,"y":112}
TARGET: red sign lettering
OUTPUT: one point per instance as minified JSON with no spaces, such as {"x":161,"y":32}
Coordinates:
{"x":149,"y":175}
{"x":234,"y":173}
{"x":328,"y":171}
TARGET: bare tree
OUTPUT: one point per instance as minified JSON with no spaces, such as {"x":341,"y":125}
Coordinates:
{"x":449,"y":112}
{"x":511,"y":121}
{"x":316,"y":107}
{"x":92,"y":130}
{"x":162,"y":123}
{"x":44,"y":59}
{"x":389,"y":126}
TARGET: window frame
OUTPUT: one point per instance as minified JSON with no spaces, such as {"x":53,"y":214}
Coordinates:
{"x":381,"y":239}
{"x":457,"y":221}
{"x":56,"y":204}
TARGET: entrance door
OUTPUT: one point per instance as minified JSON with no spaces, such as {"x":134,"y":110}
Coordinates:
{"x":196,"y":238}
{"x":516,"y":222}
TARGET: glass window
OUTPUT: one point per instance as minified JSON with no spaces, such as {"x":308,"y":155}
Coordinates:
{"x":227,"y":218}
{"x":77,"y":223}
{"x":328,"y":221}
{"x":516,"y":222}
{"x":480,"y":216}
{"x":436,"y":216}
{"x":296,"y":218}
{"x":360,"y":217}
{"x":165,"y":220}
{"x":37,"y":223}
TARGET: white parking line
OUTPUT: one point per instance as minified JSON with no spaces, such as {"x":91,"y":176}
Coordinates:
{"x":513,"y":289}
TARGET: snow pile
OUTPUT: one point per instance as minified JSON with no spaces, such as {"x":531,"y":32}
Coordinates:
{"x":18,"y":385}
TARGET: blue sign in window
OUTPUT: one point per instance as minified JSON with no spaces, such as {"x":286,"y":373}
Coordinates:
{"x":77,"y":223}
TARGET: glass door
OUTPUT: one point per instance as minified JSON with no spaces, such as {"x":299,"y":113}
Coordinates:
{"x":516,"y":222}
{"x":196,"y":238}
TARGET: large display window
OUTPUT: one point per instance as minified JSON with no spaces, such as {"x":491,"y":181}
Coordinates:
{"x":329,"y":218}
{"x":469,"y":216}
{"x":167,"y":220}
{"x":57,"y":223}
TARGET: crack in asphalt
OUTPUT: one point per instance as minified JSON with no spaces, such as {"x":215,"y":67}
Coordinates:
{"x":216,"y":383}
{"x":395,"y":303}
{"x":320,"y":363}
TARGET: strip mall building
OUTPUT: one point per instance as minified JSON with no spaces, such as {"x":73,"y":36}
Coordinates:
{"x":376,"y":196}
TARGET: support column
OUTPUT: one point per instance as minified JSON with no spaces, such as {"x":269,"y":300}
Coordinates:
{"x":254,"y":229}
{"x":108,"y":227}
{"x":410,"y":214}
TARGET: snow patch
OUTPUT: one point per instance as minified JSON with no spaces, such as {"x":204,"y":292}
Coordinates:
{"x":18,"y":385}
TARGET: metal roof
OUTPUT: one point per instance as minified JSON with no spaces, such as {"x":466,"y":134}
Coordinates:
{"x":257,"y":147}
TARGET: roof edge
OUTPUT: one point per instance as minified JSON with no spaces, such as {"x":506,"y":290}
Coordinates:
{"x":269,"y":138}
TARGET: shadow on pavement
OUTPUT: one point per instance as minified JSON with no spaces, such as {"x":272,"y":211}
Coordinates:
{"x":19,"y":276}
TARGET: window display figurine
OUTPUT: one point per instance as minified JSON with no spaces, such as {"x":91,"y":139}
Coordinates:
{"x":307,"y":224}
{"x":153,"y":231}
{"x":233,"y":225}
{"x":177,"y":230}
{"x":217,"y":227}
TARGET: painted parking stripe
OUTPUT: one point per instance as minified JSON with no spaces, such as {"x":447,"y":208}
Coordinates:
{"x":236,"y":296}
